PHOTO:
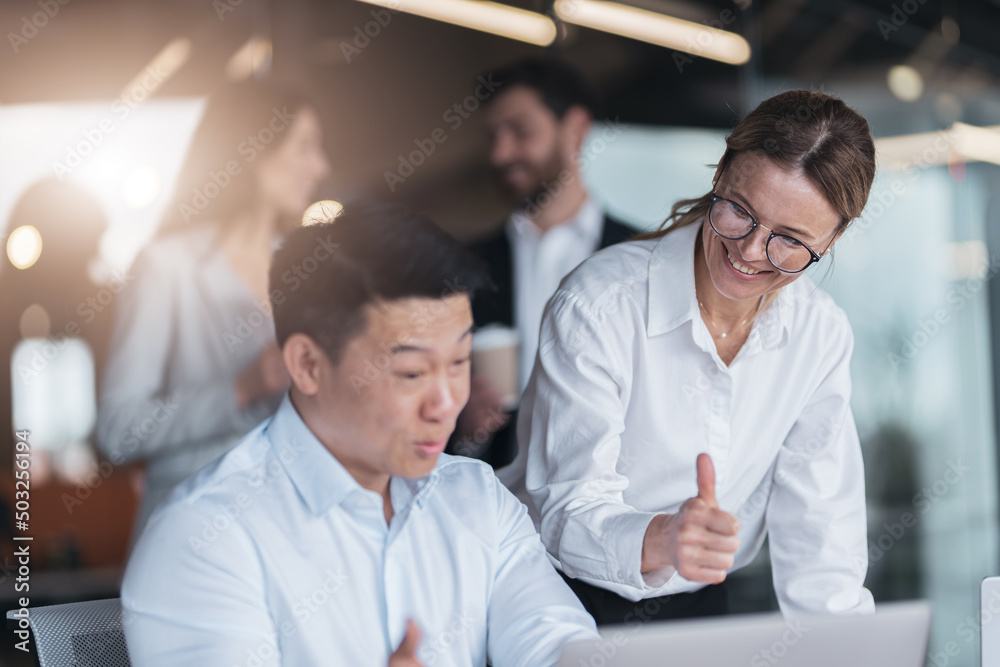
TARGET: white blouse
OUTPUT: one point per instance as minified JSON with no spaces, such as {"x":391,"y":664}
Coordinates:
{"x":185,"y":328}
{"x":628,"y":389}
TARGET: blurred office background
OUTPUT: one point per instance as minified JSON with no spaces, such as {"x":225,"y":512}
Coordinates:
{"x":101,"y":96}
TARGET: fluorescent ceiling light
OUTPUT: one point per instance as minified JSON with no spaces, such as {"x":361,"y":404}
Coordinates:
{"x":655,"y":28}
{"x":251,"y":59}
{"x":927,"y":149}
{"x":163,"y":66}
{"x":492,"y":17}
{"x":977,"y":143}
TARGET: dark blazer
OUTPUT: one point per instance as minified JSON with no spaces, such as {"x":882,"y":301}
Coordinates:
{"x":497,"y":307}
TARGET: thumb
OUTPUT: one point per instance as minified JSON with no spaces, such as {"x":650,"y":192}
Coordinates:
{"x":706,"y":480}
{"x":408,"y":647}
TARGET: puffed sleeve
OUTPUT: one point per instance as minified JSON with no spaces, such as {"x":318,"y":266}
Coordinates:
{"x":532,"y":612}
{"x":572,"y":417}
{"x":815,"y":516}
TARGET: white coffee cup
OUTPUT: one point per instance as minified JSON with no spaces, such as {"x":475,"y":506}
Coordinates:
{"x":494,"y":356}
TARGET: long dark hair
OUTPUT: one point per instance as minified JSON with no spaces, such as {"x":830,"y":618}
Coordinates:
{"x":216,"y":181}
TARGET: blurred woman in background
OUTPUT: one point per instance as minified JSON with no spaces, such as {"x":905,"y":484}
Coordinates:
{"x":193,"y":364}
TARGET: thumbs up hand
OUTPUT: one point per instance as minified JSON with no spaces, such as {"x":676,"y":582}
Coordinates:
{"x":406,"y":654}
{"x":706,"y":481}
{"x":700,"y":540}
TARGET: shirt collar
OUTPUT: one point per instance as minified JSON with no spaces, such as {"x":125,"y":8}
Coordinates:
{"x":320,"y":479}
{"x":775,"y":322}
{"x":672,"y":298}
{"x":586,"y":224}
{"x":318,"y":476}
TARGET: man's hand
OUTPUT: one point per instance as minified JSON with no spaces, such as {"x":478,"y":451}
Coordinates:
{"x":406,"y":654}
{"x":700,"y":540}
{"x":483,"y":414}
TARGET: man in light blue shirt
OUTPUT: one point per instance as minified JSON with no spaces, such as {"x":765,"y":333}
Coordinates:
{"x":337,"y":533}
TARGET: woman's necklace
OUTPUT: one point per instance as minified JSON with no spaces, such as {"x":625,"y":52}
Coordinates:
{"x":723,"y":334}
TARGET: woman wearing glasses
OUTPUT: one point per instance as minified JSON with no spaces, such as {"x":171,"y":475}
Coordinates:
{"x":691,"y":390}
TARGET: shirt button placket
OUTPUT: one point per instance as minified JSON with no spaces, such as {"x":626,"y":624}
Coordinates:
{"x":725,"y":412}
{"x":721,"y":420}
{"x":392,"y":584}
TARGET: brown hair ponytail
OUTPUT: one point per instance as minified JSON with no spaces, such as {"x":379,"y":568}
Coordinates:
{"x":802,"y":131}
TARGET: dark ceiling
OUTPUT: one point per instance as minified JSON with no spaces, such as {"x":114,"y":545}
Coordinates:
{"x":393,"y":90}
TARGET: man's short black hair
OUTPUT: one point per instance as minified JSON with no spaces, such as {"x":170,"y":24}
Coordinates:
{"x":559,"y":84}
{"x":325,"y":274}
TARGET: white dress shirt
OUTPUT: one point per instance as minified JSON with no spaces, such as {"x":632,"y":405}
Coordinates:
{"x":540,"y":261}
{"x":274,"y":555}
{"x":628,"y":389}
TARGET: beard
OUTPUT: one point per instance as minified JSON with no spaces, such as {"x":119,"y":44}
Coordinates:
{"x":542,"y":179}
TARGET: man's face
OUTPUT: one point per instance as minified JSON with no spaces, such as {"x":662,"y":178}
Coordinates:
{"x":528,"y":144}
{"x":388,"y":408}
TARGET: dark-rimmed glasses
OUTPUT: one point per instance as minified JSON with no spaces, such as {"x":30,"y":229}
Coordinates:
{"x":732,"y":221}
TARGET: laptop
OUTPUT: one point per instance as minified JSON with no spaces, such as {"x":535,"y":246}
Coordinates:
{"x":896,"y":636}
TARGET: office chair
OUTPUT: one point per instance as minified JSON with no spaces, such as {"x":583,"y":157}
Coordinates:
{"x":80,"y":634}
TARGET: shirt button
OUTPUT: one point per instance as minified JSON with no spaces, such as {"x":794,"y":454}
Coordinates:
{"x":621,"y":574}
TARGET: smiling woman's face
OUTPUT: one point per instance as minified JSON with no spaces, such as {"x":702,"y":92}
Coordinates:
{"x":287,"y":176}
{"x":784,"y":202}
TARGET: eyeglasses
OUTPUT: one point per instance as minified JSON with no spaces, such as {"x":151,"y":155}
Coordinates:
{"x":732,"y":221}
